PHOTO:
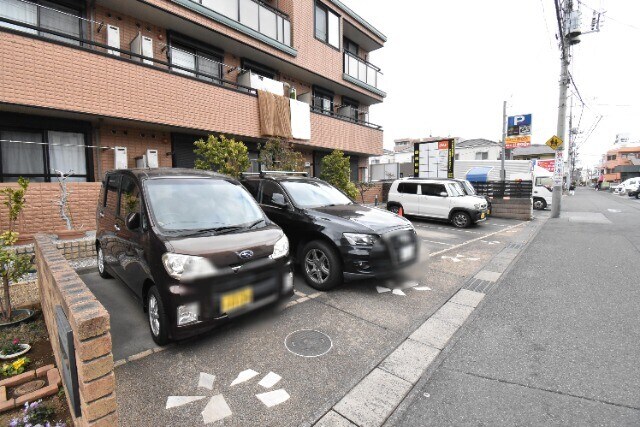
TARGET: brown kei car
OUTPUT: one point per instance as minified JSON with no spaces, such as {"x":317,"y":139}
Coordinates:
{"x":193,"y":246}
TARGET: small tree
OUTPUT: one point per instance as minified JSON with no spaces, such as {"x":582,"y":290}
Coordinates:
{"x":12,"y":265}
{"x":223,"y":155}
{"x":336,"y":170}
{"x":364,"y":187}
{"x":276,"y":154}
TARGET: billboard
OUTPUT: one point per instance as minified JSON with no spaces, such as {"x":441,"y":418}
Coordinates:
{"x":549,"y":165}
{"x":518,"y":131}
{"x":434,"y":159}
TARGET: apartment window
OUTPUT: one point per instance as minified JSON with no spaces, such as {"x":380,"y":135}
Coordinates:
{"x":56,"y":16}
{"x":327,"y":25}
{"x":323,"y":100}
{"x":204,"y":60}
{"x":350,"y":46}
{"x":483,"y":155}
{"x":36,"y":155}
{"x":257,"y":68}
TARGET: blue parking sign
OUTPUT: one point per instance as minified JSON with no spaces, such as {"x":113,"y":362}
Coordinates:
{"x":522,"y":120}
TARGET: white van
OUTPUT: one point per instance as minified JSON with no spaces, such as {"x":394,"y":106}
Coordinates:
{"x":542,"y":188}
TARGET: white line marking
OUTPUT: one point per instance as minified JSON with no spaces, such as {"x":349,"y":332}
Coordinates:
{"x":270,"y":380}
{"x":474,"y":240}
{"x":175,"y":401}
{"x":206,"y":381}
{"x":437,"y":243}
{"x":216,"y":410}
{"x":273,"y":398}
{"x":382,"y":289}
{"x":399,"y":292}
{"x":244,"y":376}
{"x":422,"y":288}
{"x":454,"y":259}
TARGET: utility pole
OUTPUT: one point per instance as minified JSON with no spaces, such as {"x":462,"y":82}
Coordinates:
{"x":503,"y":173}
{"x":565,"y":41}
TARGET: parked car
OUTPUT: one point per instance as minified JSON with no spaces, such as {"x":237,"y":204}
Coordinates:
{"x":192,"y":260}
{"x":439,"y":199}
{"x":630,"y":186}
{"x":467,"y":188}
{"x":332,"y":237}
{"x":634,"y":190}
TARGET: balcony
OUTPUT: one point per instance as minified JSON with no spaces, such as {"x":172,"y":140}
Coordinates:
{"x":98,"y":80}
{"x":251,"y":15}
{"x":362,"y":73}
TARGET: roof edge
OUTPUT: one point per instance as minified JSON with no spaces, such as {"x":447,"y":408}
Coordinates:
{"x":360,"y":19}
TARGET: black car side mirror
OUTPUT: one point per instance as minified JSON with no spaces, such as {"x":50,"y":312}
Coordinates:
{"x":133,"y":221}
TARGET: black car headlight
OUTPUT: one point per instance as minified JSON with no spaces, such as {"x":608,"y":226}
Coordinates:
{"x":357,"y":239}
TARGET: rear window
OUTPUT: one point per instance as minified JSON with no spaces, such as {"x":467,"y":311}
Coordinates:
{"x":408,"y":188}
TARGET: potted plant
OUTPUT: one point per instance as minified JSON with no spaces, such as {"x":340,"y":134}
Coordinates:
{"x":13,"y":265}
{"x":14,"y":349}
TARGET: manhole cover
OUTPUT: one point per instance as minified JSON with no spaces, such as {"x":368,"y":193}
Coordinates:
{"x":308,"y":343}
{"x":28,"y":387}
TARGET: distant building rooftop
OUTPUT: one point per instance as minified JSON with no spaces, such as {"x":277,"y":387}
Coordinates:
{"x":476,"y":143}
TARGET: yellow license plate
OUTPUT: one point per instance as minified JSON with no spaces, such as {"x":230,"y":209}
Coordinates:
{"x":235,"y":300}
{"x":482,"y":216}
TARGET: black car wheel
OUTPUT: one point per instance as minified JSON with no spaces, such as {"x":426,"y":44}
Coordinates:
{"x":321,"y":266}
{"x":461,"y":219}
{"x":100,"y":259}
{"x":158,"y":323}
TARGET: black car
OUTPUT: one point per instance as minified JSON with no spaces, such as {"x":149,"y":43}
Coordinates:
{"x":332,"y":237}
{"x":193,"y":246}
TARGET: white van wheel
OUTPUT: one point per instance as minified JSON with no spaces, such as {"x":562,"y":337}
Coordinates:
{"x":539,"y":204}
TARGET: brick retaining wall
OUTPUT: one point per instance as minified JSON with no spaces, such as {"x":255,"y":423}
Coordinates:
{"x":521,"y":209}
{"x":59,"y":285}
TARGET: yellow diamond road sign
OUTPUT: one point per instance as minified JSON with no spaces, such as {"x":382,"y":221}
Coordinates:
{"x":554,"y":142}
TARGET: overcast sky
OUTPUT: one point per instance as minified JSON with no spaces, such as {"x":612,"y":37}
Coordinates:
{"x":448,"y":66}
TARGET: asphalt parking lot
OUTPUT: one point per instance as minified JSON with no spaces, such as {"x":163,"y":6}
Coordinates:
{"x":203,"y":379}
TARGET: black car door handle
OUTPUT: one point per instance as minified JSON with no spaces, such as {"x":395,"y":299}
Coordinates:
{"x":101,"y":214}
{"x":116,"y":227}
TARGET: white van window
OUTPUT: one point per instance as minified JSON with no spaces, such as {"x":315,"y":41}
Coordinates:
{"x":545,"y":181}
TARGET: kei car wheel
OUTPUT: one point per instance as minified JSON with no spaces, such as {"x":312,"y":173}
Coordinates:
{"x":100,"y":260}
{"x":158,"y":323}
{"x":321,"y":266}
{"x":539,"y":204}
{"x":461,"y":219}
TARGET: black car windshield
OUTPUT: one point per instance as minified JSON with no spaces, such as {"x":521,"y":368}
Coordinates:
{"x":190,"y":204}
{"x":315,"y":194}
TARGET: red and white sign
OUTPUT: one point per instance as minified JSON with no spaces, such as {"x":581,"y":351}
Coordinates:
{"x":549,"y":165}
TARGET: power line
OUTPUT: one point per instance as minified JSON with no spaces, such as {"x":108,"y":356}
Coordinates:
{"x":546,"y":24}
{"x":609,"y":16}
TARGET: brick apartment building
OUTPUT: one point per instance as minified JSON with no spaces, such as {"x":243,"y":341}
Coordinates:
{"x":80,"y":78}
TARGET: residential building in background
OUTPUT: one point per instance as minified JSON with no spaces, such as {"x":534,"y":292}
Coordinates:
{"x":621,"y":164}
{"x":92,"y":86}
{"x":533,"y":152}
{"x":478,"y":149}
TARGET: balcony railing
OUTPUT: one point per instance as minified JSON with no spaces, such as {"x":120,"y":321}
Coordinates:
{"x":255,"y":15}
{"x":342,"y":112}
{"x":362,"y":70}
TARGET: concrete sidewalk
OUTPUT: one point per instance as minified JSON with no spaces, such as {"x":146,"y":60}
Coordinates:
{"x":556,"y":340}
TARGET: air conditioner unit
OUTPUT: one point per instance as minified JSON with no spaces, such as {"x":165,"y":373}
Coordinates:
{"x":306,"y":97}
{"x":258,"y":82}
{"x":142,"y":45}
{"x":113,"y":39}
{"x":121,"y":161}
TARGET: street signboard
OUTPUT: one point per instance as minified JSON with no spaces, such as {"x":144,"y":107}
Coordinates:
{"x":517,"y":141}
{"x":558,"y":173}
{"x":434,"y":159}
{"x":549,"y":165}
{"x":518,"y":131}
{"x":554,"y":142}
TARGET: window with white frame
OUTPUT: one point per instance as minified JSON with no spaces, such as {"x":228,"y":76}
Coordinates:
{"x":482,"y":155}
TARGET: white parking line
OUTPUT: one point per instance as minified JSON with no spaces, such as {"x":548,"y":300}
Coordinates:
{"x":475,"y":240}
{"x":437,"y":243}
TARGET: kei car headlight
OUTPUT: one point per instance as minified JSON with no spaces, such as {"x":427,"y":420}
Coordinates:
{"x":281,"y":248}
{"x":477,"y":206}
{"x":355,"y":239}
{"x":186,"y":266}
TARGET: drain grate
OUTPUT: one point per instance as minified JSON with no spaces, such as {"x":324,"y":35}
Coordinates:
{"x":478,"y":285}
{"x":308,"y":343}
{"x":514,"y":245}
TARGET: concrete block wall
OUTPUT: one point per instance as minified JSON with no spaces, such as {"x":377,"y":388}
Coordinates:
{"x":521,"y":209}
{"x":59,"y":285}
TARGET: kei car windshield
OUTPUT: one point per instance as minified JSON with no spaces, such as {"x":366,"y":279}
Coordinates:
{"x":315,"y":194}
{"x":468,"y":188}
{"x":187,"y":204}
{"x":455,"y":189}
